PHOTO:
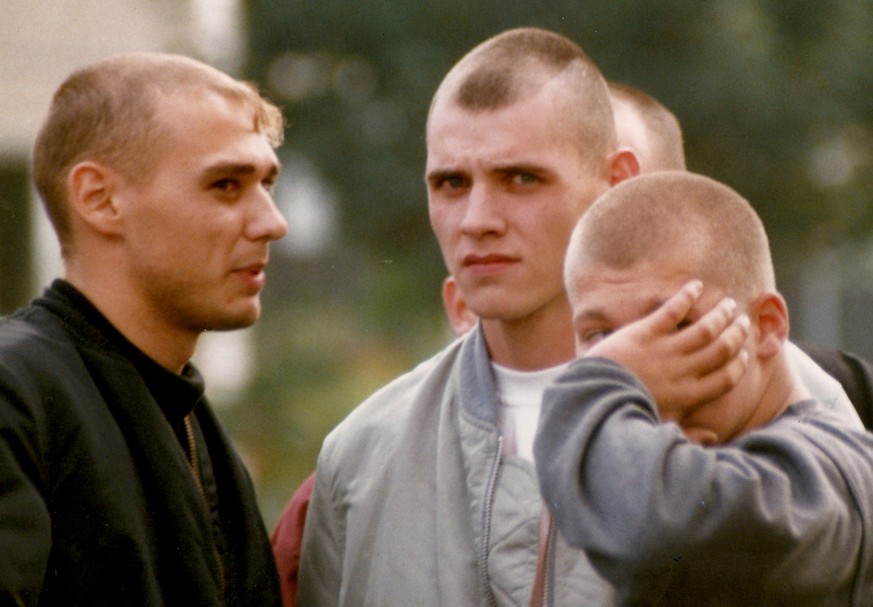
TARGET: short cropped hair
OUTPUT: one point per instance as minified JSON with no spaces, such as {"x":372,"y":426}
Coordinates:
{"x":657,"y":215}
{"x":107,"y":112}
{"x":664,"y":148}
{"x":519,"y":62}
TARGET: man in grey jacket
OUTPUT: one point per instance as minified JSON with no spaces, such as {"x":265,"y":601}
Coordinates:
{"x":426,"y":494}
{"x":758,"y":497}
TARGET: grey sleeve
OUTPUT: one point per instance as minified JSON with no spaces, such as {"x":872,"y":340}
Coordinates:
{"x":321,"y":555}
{"x":653,"y":510}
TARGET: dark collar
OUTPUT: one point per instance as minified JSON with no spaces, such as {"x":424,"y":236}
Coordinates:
{"x":176,"y":394}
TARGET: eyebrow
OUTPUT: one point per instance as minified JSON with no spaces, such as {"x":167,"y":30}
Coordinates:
{"x":519,"y":167}
{"x":223,"y":169}
{"x":499,"y":169}
{"x":441,"y":174}
{"x":596,"y":315}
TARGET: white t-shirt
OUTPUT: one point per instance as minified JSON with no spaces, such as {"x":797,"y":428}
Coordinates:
{"x":520,"y":396}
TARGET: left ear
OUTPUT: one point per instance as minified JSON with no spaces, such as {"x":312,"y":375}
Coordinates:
{"x":461,"y":318}
{"x":623,"y":165}
{"x":769,"y":316}
{"x":92,"y":189}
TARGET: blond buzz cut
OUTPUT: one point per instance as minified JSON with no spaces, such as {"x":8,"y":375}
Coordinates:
{"x":657,"y":216}
{"x":657,"y":140}
{"x":107,"y":112}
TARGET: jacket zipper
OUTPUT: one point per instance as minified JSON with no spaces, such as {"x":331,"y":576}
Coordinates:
{"x":550,"y":546}
{"x":194,"y":465}
{"x":486,"y":541}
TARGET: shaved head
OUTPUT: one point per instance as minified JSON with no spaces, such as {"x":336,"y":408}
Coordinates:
{"x":664,"y":214}
{"x":517,"y":64}
{"x":648,"y":128}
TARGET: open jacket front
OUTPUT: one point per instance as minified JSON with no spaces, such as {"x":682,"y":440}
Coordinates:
{"x":414,"y":503}
{"x":97,"y":503}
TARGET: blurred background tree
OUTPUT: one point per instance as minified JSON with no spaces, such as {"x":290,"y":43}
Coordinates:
{"x":774,"y":97}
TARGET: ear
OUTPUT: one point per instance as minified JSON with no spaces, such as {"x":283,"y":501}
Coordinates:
{"x":92,"y":187}
{"x":623,"y":165}
{"x":769,"y":316}
{"x":461,"y":318}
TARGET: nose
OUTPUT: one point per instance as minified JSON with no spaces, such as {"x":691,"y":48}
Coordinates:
{"x":266,"y":222}
{"x":482,"y":213}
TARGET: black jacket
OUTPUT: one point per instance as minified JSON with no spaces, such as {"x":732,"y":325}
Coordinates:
{"x":98,"y":505}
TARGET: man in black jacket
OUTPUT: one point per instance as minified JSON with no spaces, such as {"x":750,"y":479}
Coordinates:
{"x":117,"y":484}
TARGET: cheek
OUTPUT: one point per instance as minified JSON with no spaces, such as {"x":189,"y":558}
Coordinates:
{"x":444,"y":223}
{"x":554,"y":234}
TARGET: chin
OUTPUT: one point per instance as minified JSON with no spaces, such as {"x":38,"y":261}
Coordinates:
{"x":230,"y":321}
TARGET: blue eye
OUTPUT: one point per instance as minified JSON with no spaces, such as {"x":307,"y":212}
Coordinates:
{"x":455,"y":182}
{"x":524,"y":178}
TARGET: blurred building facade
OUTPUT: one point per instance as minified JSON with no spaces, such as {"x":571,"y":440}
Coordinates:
{"x":41,"y":41}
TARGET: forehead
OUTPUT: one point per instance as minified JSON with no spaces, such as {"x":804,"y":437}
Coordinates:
{"x":533,"y":125}
{"x":204,"y":126}
{"x":624,"y":294}
{"x":591,"y":278}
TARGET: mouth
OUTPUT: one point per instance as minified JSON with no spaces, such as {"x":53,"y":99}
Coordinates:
{"x":488,"y":263}
{"x":253,"y":275}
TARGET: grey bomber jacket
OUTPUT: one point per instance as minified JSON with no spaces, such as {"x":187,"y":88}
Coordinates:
{"x":414,"y":505}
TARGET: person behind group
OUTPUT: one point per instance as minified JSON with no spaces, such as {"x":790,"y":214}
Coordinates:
{"x":647,"y":127}
{"x":118,"y":485}
{"x":654,"y":134}
{"x":761,"y":496}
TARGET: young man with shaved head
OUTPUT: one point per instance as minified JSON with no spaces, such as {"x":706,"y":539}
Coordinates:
{"x":760,"y":496}
{"x":421,"y":496}
{"x":118,"y":485}
{"x":426,"y":494}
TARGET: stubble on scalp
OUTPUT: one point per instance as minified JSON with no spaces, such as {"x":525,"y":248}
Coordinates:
{"x":519,"y":63}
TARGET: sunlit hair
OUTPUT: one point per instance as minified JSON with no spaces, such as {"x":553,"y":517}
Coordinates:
{"x":658,"y":144}
{"x":518,"y":63}
{"x":658,"y":216}
{"x":107,"y":112}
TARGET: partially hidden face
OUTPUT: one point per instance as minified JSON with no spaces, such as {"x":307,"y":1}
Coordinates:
{"x":606,"y":299}
{"x":197,"y":231}
{"x":505,"y":188}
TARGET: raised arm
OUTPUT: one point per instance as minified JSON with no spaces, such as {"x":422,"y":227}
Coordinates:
{"x":650,"y":507}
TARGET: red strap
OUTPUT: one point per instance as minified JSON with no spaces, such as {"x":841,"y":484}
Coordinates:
{"x":538,"y":594}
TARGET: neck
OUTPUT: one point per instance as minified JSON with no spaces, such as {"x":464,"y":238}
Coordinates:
{"x":171,"y":349}
{"x":538,"y":341}
{"x":784,"y":388}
